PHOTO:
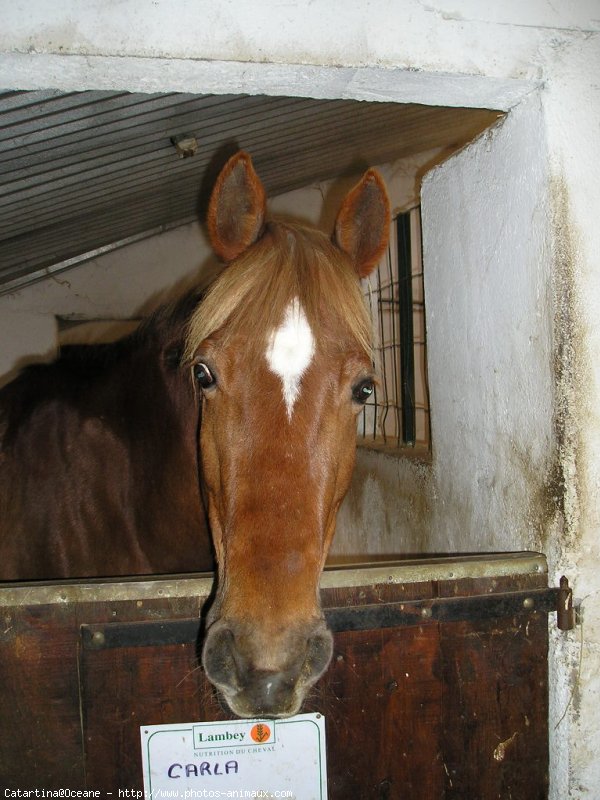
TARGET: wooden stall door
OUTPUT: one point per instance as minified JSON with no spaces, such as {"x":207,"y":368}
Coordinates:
{"x":426,"y":697}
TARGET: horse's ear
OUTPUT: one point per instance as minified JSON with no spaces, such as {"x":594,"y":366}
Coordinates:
{"x":237,"y":208}
{"x":362,"y":226}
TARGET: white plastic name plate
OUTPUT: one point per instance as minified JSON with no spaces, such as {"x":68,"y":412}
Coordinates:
{"x":241,"y":758}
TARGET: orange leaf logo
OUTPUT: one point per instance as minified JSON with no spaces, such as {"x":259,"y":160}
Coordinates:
{"x":260,"y":732}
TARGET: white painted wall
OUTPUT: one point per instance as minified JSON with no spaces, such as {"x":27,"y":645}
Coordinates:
{"x":454,"y":52}
{"x":488,"y":284}
{"x":487,"y":250}
{"x":116,"y":285}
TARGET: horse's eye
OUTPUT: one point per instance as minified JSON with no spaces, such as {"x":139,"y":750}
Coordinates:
{"x":363,"y":391}
{"x":203,"y":375}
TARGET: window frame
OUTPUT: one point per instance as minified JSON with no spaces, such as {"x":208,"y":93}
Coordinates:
{"x":397,"y":417}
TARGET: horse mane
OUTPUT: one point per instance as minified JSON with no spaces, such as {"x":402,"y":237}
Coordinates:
{"x":289,"y":261}
{"x":169,"y":320}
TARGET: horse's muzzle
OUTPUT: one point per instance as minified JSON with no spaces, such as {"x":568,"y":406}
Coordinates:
{"x":250,"y":689}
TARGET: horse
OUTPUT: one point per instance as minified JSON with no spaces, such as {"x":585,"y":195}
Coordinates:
{"x":276,"y":367}
{"x":280,"y":351}
{"x":98,"y":460}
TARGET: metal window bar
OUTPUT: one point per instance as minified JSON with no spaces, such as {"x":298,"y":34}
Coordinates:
{"x":398,"y":413}
{"x":405,"y":313}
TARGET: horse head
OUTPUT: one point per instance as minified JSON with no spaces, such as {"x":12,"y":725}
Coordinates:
{"x":280,"y":357}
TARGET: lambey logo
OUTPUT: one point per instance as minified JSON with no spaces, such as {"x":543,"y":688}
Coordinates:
{"x":244,"y":735}
{"x":260,"y":733}
{"x":226,"y":737}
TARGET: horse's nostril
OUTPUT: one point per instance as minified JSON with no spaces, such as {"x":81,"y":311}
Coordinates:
{"x":220,"y":658}
{"x":318,"y":654}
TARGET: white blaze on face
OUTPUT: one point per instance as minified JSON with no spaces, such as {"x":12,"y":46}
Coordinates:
{"x":290,"y":351}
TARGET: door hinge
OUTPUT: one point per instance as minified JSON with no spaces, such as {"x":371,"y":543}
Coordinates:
{"x":565,"y":614}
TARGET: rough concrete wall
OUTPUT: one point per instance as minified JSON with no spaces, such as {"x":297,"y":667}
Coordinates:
{"x":572,"y":108}
{"x":491,"y":484}
{"x":491,"y":51}
{"x":298,"y":33}
{"x":487,"y":241}
{"x":387,"y":511}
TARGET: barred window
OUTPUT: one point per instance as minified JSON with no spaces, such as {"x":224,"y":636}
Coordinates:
{"x":397,"y":415}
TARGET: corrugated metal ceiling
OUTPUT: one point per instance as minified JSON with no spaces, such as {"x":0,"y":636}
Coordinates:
{"x":84,"y":170}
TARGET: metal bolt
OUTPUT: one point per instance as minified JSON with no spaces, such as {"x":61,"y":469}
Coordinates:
{"x":98,"y":639}
{"x":529,"y":603}
{"x":186,"y":144}
{"x":426,"y":613}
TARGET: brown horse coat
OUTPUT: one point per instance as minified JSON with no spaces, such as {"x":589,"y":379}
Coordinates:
{"x":98,"y":461}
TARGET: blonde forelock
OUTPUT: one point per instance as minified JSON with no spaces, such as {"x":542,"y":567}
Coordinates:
{"x":290,"y":261}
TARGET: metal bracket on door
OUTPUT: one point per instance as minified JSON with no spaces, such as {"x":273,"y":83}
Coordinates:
{"x":357,"y":618}
{"x":457,"y":609}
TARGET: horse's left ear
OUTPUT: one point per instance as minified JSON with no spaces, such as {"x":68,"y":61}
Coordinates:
{"x":237,"y":208}
{"x":362,"y":226}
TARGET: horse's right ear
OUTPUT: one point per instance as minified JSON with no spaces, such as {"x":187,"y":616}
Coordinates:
{"x":237,"y":208}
